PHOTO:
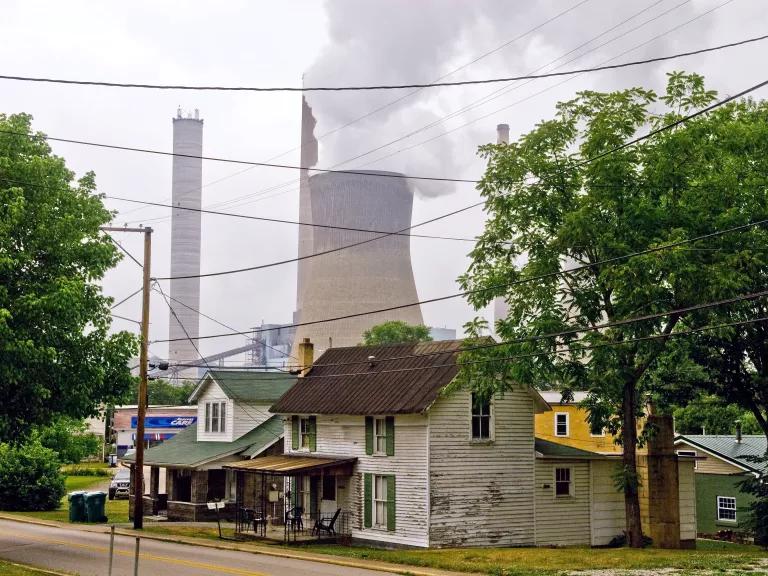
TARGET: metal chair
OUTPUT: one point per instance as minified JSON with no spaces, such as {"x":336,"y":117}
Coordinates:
{"x":326,"y":524}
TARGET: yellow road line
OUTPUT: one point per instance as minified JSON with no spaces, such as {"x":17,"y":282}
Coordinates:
{"x":166,"y":559}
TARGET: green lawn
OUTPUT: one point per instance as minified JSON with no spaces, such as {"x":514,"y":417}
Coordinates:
{"x":8,"y":569}
{"x":117,"y":510}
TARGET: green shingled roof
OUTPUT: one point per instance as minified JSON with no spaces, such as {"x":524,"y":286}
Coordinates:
{"x":184,"y":450}
{"x":725,"y":446}
{"x":554,"y":450}
{"x":247,"y":385}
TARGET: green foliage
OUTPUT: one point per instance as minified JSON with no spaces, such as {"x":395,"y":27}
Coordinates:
{"x":162,"y":392}
{"x":711,"y":415}
{"x":81,"y":470}
{"x":29,"y":477}
{"x":57,"y":356}
{"x":395,"y":332}
{"x":70,"y":439}
{"x":757,"y":516}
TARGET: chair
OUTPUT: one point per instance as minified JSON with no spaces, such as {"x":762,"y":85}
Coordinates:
{"x":326,"y":524}
{"x":294,"y":518}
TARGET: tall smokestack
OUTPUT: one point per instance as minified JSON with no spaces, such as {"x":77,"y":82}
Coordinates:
{"x":185,"y":240}
{"x":502,"y":134}
{"x":500,"y":307}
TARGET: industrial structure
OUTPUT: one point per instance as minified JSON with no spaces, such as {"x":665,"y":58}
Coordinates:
{"x":185,"y":240}
{"x":500,"y":306}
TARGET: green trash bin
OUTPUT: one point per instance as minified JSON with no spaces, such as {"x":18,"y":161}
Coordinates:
{"x":94,"y":506}
{"x":76,"y":506}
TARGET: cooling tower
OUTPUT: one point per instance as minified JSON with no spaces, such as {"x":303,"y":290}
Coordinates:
{"x":371,"y":276}
{"x":185,"y":240}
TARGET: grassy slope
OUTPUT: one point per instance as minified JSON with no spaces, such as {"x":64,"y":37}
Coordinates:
{"x":7,"y":569}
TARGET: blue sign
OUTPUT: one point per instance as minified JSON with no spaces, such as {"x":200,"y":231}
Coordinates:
{"x":165,"y":421}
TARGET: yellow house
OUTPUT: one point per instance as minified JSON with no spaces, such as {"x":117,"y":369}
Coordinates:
{"x":567,"y":424}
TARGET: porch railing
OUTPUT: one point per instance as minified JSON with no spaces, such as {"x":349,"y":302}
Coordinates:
{"x":293,"y":528}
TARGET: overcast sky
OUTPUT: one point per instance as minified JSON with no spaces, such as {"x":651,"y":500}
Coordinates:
{"x":336,"y":42}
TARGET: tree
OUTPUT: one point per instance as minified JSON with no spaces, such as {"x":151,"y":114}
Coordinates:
{"x":162,"y":392}
{"x":564,"y":196}
{"x":57,"y":357}
{"x":29,"y":477}
{"x":70,"y":439}
{"x":708,"y":414}
{"x":395,"y":332}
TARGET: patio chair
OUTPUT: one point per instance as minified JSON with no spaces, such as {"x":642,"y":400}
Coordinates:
{"x":326,"y":524}
{"x":294,"y":518}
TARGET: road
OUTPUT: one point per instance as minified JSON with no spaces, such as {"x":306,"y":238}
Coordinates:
{"x":86,"y":553}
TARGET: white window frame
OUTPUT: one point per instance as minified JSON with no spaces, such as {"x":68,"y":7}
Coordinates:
{"x":304,"y":433}
{"x":720,"y":501}
{"x":380,"y":436}
{"x":567,"y":424}
{"x":379,"y":502}
{"x":690,"y":453}
{"x":472,"y":416}
{"x":220,"y":407}
{"x":571,"y":483}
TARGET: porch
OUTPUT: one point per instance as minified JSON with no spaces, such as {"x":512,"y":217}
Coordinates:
{"x":294,"y":498}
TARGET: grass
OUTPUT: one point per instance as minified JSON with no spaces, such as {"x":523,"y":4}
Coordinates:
{"x":116,"y":510}
{"x":13,"y":569}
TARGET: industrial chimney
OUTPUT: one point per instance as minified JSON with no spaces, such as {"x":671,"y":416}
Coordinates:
{"x":185,"y":240}
{"x":500,"y":307}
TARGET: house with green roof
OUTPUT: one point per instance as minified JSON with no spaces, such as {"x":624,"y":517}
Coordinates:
{"x":233,"y":424}
{"x":723,"y":462}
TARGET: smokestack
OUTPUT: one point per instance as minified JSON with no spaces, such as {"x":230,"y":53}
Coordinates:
{"x":738,"y":431}
{"x":502,"y":134}
{"x":185,"y":240}
{"x":306,"y":355}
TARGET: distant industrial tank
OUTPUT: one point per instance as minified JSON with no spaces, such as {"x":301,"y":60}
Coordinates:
{"x":371,"y":276}
{"x":185,"y":239}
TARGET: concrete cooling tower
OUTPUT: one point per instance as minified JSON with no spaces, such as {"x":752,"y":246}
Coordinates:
{"x":185,"y":240}
{"x":371,"y":276}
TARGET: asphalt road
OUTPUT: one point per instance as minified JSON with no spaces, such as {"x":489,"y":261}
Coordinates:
{"x":86,"y":553}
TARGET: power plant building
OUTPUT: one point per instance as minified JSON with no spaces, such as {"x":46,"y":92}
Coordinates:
{"x":185,"y":240}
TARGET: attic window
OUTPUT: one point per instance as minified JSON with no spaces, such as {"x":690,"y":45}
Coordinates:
{"x":481,"y":418}
{"x":216,"y":417}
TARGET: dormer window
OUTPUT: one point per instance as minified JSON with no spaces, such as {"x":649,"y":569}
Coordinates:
{"x":216,"y":417}
{"x":481,"y":418}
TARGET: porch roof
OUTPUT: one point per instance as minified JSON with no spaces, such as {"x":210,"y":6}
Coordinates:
{"x":547,"y":449}
{"x":289,"y":464}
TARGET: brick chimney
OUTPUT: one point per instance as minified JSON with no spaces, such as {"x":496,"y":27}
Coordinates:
{"x":738,"y":431}
{"x":306,"y":356}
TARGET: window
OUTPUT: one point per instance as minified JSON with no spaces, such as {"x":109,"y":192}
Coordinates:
{"x":305,"y":431}
{"x":380,"y":435}
{"x":380,"y":501}
{"x":689,"y":453}
{"x":561,"y":424}
{"x":596,"y":432}
{"x":726,"y":508}
{"x":563,"y":484}
{"x":216,"y":417}
{"x":481,"y":418}
{"x":329,"y":487}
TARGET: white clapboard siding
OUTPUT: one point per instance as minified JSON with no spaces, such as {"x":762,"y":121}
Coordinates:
{"x":481,"y":494}
{"x":608,"y":516}
{"x":213,"y":392}
{"x":246,"y":416}
{"x":345,"y":436}
{"x":687,"y":500}
{"x":562,"y":521}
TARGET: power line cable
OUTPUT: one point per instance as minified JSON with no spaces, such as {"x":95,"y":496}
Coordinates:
{"x":131,"y":256}
{"x":126,"y":319}
{"x":385,"y":86}
{"x":536,"y":278}
{"x":131,"y":295}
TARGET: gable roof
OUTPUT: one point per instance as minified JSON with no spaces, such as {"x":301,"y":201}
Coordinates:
{"x":547,"y":449}
{"x":246,"y":385}
{"x":361,"y":387}
{"x":725,"y":447}
{"x":185,"y":451}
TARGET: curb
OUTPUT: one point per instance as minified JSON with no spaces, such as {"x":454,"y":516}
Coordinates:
{"x":36,"y":569}
{"x":379,"y":565}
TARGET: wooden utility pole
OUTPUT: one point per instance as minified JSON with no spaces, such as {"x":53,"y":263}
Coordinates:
{"x":138,"y":476}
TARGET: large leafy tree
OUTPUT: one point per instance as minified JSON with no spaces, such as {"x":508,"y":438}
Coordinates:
{"x":396,"y":332}
{"x":57,"y":357}
{"x":709,"y":414}
{"x":567,"y":194}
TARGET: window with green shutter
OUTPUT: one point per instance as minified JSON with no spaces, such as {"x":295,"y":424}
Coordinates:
{"x":391,"y":499}
{"x":313,"y":433}
{"x":390,"y":421}
{"x":369,"y":435}
{"x":367,"y":499}
{"x":295,"y":432}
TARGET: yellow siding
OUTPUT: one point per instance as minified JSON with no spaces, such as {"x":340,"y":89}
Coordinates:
{"x":562,"y":521}
{"x":578,"y":434}
{"x":712,"y":464}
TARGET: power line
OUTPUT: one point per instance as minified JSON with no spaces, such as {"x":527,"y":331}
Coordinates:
{"x":131,"y":295}
{"x":558,"y":273}
{"x":131,"y":256}
{"x":126,"y":319}
{"x":420,"y":86}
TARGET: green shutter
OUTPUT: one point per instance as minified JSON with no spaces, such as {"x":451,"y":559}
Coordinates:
{"x":295,"y":432}
{"x":367,"y":499}
{"x":390,"y":425}
{"x":294,"y":491}
{"x":313,"y":490}
{"x":312,"y":433}
{"x":369,"y":435}
{"x":391,"y":503}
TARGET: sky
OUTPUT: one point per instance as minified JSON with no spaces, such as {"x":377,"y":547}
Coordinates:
{"x":433,"y":132}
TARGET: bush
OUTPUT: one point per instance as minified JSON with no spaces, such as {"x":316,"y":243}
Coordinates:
{"x":757,"y":516}
{"x":29,"y":477}
{"x":70,"y":439}
{"x":75,"y":470}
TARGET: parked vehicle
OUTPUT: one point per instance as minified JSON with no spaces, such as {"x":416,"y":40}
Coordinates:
{"x":120,"y":486}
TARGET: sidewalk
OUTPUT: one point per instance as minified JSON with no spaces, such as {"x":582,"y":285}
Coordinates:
{"x":267,"y":550}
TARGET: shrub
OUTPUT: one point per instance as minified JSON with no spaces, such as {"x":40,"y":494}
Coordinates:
{"x":29,"y":477}
{"x":70,"y":439}
{"x":76,"y":470}
{"x":757,"y":516}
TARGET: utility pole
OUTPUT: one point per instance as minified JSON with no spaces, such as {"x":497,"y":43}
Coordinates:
{"x":138,"y":488}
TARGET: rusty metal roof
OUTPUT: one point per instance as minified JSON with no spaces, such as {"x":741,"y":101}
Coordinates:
{"x":288,"y":463}
{"x":343,"y":381}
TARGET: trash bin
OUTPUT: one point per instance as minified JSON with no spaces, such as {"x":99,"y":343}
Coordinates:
{"x":94,"y":506}
{"x":76,"y":506}
{"x":113,"y":460}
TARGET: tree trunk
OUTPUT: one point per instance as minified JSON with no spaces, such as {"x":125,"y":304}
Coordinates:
{"x":631,"y":492}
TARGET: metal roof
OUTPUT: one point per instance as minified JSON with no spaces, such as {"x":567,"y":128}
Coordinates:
{"x":285,"y":464}
{"x":726,"y":447}
{"x":185,"y":451}
{"x":547,"y":449}
{"x":358,"y":386}
{"x":247,"y":385}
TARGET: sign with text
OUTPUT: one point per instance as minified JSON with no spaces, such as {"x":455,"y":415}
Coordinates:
{"x":165,"y":421}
